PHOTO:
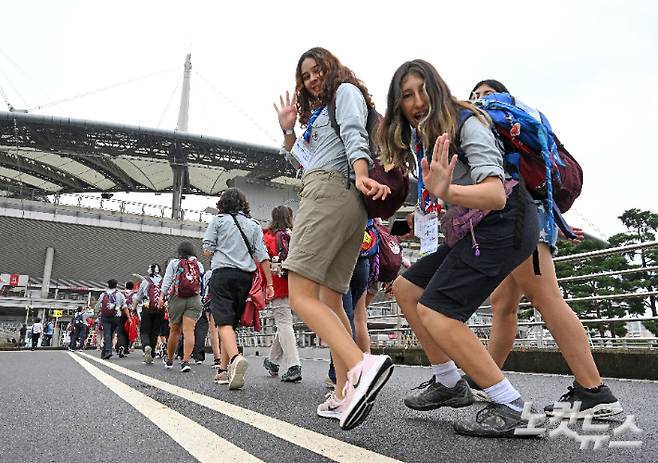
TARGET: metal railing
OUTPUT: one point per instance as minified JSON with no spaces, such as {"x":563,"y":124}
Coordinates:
{"x":127,"y":207}
{"x":531,"y":333}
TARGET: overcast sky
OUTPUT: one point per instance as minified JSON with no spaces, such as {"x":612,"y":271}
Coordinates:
{"x":590,"y":66}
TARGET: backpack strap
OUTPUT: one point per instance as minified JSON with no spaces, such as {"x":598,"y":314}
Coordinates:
{"x":244,"y":237}
{"x":371,"y":122}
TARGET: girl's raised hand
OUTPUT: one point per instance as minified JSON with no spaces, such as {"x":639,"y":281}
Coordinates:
{"x":437,"y":175}
{"x":287,"y":112}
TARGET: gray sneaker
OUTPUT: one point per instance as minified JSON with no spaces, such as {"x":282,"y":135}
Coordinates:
{"x":293,"y":374}
{"x":437,"y":395}
{"x":236,"y":371}
{"x":478,"y":394}
{"x":271,"y":367}
{"x":497,"y":420}
{"x":221,"y":377}
{"x":148,"y":358}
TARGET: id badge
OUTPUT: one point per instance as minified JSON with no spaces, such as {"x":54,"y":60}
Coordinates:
{"x":301,"y":152}
{"x":426,"y":229}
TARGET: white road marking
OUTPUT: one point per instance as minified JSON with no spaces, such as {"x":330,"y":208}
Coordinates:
{"x":328,"y":447}
{"x":201,"y":443}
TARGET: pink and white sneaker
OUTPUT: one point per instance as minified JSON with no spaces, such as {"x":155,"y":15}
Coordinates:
{"x":332,"y":407}
{"x":364,"y":382}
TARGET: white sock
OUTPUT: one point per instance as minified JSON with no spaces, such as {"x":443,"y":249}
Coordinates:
{"x":504,"y":393}
{"x":446,"y":373}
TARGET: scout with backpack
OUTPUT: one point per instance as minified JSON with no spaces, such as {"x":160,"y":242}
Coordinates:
{"x":187,"y":281}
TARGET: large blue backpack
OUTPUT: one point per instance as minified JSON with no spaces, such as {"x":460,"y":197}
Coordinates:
{"x":533,"y":153}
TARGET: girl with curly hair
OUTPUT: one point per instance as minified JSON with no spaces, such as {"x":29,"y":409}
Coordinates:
{"x":330,"y":220}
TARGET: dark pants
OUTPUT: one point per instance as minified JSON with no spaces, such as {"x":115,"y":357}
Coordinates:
{"x":77,"y":336}
{"x":200,"y":334}
{"x":47,"y":339}
{"x":122,"y":335}
{"x":110,"y":325}
{"x":358,"y":285}
{"x":149,"y":329}
{"x":35,"y":340}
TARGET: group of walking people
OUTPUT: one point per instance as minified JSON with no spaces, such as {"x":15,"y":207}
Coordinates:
{"x":458,"y":161}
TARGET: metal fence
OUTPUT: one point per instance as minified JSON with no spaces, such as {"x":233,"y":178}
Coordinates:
{"x":128,"y":207}
{"x":395,"y":332}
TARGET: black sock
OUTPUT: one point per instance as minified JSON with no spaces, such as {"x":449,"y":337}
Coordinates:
{"x":594,"y":389}
{"x":233,"y":358}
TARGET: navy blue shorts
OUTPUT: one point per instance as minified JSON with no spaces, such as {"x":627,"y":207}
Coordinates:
{"x":456,"y":282}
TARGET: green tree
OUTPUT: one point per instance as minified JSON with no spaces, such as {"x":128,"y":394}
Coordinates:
{"x":642,"y":227}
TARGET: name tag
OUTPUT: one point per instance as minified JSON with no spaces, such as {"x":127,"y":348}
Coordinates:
{"x":426,"y":228}
{"x":301,"y":152}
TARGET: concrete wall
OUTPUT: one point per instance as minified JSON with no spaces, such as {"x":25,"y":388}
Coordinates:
{"x":613,"y":363}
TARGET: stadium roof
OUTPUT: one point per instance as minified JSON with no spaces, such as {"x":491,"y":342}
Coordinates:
{"x":48,"y":155}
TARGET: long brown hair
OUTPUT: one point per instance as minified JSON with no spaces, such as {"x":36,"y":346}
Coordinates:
{"x":281,"y":218}
{"x":334,"y":74}
{"x":394,"y":134}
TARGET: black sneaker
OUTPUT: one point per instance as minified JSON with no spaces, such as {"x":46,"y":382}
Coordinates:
{"x":185,"y":367}
{"x":498,"y":420}
{"x":271,"y":367}
{"x":597,"y":404}
{"x":121,"y":352}
{"x":168,"y":364}
{"x":478,"y":394}
{"x":217,"y":364}
{"x":293,"y":374}
{"x":437,"y":395}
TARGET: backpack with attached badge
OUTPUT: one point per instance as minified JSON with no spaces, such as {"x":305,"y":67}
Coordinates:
{"x":108,"y":305}
{"x":389,"y":254}
{"x":533,"y":153}
{"x":282,"y":240}
{"x":188,"y":279}
{"x":395,"y":178}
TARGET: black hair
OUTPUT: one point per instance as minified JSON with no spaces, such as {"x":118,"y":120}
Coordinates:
{"x":129,"y":285}
{"x":233,"y":201}
{"x":112,"y":283}
{"x":496,"y":85}
{"x":154,"y":269}
{"x":185,"y":250}
{"x":38,"y":320}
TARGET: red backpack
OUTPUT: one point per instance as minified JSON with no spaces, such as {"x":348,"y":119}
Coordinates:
{"x":108,"y":305}
{"x":153,"y":292}
{"x":389,"y":253}
{"x":188,"y":279}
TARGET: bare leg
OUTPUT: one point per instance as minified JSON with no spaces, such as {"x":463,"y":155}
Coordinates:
{"x":188,"y":337}
{"x":544,"y":293}
{"x":505,"y":303}
{"x":461,"y":345}
{"x":407,"y":295}
{"x":172,"y":343}
{"x":321,"y":309}
{"x":214,"y":336}
{"x":229,"y":341}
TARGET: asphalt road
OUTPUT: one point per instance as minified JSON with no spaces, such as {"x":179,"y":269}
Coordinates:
{"x":62,"y":407}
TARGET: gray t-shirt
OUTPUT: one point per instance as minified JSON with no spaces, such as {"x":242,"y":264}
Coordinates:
{"x":223,"y":238}
{"x":327,"y":151}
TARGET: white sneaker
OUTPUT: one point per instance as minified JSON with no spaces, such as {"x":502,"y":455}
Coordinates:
{"x":236,"y":371}
{"x":332,"y":407}
{"x":364,"y":382}
{"x":147,"y":355}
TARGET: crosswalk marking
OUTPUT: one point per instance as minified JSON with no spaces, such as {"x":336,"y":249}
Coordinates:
{"x":201,"y":443}
{"x":328,"y":447}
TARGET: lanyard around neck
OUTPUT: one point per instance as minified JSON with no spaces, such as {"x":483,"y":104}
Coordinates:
{"x":309,"y":126}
